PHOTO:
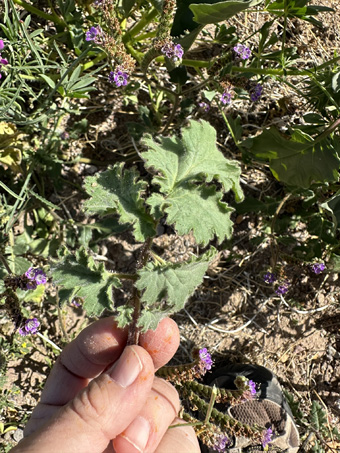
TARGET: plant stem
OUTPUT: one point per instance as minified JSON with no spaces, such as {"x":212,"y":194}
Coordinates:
{"x":211,"y":404}
{"x":48,"y":341}
{"x":4,"y":262}
{"x":91,"y":63}
{"x":52,"y":17}
{"x":134,"y":331}
{"x":139,"y":26}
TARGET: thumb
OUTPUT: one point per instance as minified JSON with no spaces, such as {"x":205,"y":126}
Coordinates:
{"x":100,"y":411}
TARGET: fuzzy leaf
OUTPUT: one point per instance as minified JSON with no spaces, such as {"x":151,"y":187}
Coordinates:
{"x":80,"y":276}
{"x":297,"y":161}
{"x":119,"y":191}
{"x":168,"y":287}
{"x":184,"y":167}
{"x":197,"y":209}
{"x":194,"y":158}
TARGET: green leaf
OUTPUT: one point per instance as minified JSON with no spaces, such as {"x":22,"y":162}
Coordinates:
{"x":79,"y":275}
{"x":197,"y":209}
{"x":168,"y":287}
{"x":333,"y":206}
{"x":195,"y":158}
{"x":48,"y":80}
{"x":207,"y":13}
{"x":184,"y":168}
{"x":297,"y":160}
{"x":318,"y":417}
{"x":118,"y":191}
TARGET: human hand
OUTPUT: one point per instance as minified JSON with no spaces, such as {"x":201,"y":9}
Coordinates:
{"x":103,"y":396}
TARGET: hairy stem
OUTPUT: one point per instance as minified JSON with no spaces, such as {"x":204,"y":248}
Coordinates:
{"x":134,"y":331}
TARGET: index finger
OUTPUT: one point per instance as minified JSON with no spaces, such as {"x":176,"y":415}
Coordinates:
{"x":96,"y":348}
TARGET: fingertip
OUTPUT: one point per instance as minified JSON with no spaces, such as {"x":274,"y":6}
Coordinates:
{"x":180,"y":438}
{"x":161,"y":343}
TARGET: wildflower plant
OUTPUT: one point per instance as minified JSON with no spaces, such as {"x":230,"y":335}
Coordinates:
{"x":183,"y":180}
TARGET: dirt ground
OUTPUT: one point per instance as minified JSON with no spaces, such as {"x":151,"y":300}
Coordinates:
{"x":234,"y":313}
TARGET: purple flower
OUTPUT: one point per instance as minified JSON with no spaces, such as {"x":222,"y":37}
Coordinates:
{"x":221,"y":443}
{"x":226,"y":98}
{"x":243,"y":51}
{"x":252,"y":387}
{"x":3,"y":61}
{"x":256,"y":93}
{"x":204,"y":105}
{"x":173,"y":51}
{"x":119,"y":77}
{"x":36,"y":276}
{"x":269,"y":277}
{"x":40,"y":277}
{"x":282,"y":288}
{"x":317,"y":268}
{"x":92,"y":34}
{"x":30,"y":273}
{"x":31,"y":285}
{"x":206,"y":359}
{"x":267,"y":437}
{"x":30,"y":327}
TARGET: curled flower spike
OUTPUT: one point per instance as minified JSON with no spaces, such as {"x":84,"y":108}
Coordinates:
{"x":119,"y":77}
{"x":317,"y":268}
{"x":269,"y":277}
{"x":267,"y":437}
{"x":30,"y":327}
{"x":221,"y":443}
{"x":206,"y":359}
{"x":243,"y":51}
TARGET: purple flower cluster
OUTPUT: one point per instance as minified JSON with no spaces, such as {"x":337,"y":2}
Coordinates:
{"x":282,"y":288}
{"x":173,"y":51}
{"x":243,"y":51}
{"x":93,"y":34}
{"x":119,"y":77}
{"x":252,"y":387}
{"x":269,"y":277}
{"x":225,"y":97}
{"x":36,"y":277}
{"x":206,"y":359}
{"x":267,"y":437}
{"x":3,"y":61}
{"x":204,"y":106}
{"x":317,"y":268}
{"x":30,"y":327}
{"x":221,"y":443}
{"x":256,"y":93}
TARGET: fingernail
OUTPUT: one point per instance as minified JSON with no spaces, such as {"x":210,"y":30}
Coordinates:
{"x":125,"y":371}
{"x":137,"y":433}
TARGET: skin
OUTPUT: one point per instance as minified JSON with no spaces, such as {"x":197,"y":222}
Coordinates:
{"x":103,"y":397}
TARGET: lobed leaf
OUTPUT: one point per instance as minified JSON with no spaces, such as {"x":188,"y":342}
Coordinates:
{"x":119,"y":191}
{"x":168,"y":287}
{"x":80,"y":276}
{"x":184,"y":168}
